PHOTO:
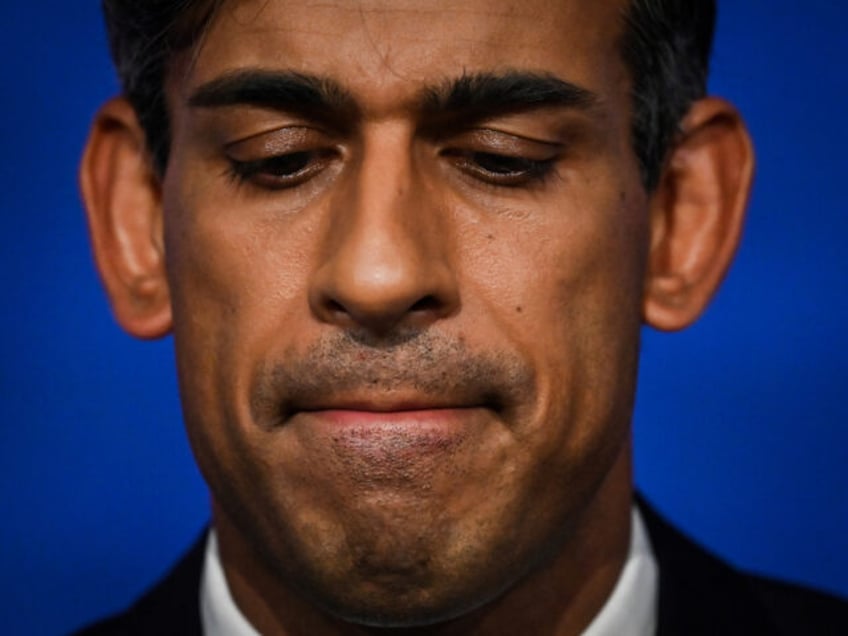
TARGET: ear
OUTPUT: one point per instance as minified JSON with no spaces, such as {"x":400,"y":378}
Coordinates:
{"x":123,"y":202}
{"x":697,"y":213}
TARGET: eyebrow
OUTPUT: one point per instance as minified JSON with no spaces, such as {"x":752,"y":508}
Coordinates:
{"x":468,"y":97}
{"x":482,"y":94}
{"x":307,"y":95}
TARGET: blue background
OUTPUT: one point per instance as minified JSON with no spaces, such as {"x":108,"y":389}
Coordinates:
{"x":741,"y":421}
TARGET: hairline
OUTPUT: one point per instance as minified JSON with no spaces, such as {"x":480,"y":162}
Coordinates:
{"x":645,"y":136}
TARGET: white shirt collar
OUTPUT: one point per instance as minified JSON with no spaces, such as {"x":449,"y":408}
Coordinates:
{"x":219,"y":614}
{"x":631,"y":609}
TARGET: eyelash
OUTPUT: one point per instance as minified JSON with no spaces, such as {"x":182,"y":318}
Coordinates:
{"x":267,"y":172}
{"x":509,"y":170}
{"x":292,"y":169}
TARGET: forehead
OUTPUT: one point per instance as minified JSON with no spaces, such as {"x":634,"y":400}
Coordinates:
{"x":382,"y":48}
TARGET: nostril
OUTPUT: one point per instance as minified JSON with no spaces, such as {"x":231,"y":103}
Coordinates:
{"x":336,"y":310}
{"x":426,"y":303}
{"x":335,"y":307}
{"x":379,"y":295}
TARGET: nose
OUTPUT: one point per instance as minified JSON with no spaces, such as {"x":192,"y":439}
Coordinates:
{"x":385,"y":261}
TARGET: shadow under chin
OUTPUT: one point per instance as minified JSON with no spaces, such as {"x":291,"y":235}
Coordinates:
{"x":413,"y":612}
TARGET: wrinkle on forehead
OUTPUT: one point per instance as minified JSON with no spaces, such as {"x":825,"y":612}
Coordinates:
{"x":387,"y":45}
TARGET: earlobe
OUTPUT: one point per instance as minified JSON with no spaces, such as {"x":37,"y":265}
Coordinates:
{"x":122,"y":198}
{"x":697,"y":212}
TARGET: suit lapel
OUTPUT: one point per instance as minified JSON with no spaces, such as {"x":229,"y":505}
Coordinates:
{"x":699,"y":594}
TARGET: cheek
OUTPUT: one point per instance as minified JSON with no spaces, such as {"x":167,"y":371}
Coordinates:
{"x":236,"y":275}
{"x":567,"y":290}
{"x":235,"y":268}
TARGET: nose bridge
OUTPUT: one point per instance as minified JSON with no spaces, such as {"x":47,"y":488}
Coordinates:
{"x":386,"y":259}
{"x":385,"y":195}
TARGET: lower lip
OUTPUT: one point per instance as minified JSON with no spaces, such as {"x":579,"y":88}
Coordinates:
{"x":410,"y":431}
{"x":413,"y":417}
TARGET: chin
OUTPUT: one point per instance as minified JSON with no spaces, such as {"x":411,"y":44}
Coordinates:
{"x":389,"y":608}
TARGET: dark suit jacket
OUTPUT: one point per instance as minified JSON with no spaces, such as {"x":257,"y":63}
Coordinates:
{"x":699,"y":595}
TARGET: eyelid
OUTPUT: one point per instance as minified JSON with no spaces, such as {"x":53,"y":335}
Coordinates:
{"x":265,"y":173}
{"x":271,"y":159}
{"x":272,"y":142}
{"x":494,"y":141}
{"x":497,"y":159}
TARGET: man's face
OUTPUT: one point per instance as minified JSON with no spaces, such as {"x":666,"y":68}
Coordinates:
{"x":406,"y":244}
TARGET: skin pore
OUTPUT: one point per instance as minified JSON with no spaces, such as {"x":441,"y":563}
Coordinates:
{"x":405,"y":254}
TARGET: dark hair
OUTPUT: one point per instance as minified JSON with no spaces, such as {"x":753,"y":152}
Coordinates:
{"x":665,"y":45}
{"x":144,"y":37}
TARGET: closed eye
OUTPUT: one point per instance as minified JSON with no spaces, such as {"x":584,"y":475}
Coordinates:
{"x":502,"y":169}
{"x":280,"y":171}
